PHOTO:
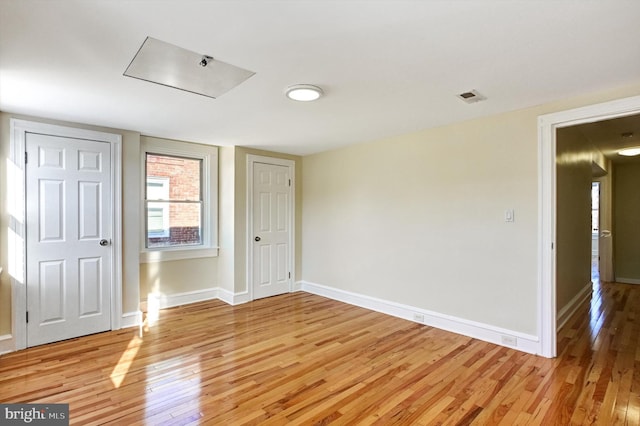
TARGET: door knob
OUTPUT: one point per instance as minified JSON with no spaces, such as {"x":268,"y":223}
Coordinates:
{"x":104,"y":242}
{"x":257,"y":238}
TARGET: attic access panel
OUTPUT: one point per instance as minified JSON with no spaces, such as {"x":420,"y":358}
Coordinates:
{"x":169,"y":65}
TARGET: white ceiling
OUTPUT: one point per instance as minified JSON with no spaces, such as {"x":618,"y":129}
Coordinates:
{"x":387,"y":67}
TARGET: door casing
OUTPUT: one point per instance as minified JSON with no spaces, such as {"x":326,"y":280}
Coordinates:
{"x":547,"y":126}
{"x":16,"y":198}
{"x":251,"y":159}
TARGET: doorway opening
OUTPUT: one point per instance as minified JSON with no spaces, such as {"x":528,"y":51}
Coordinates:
{"x":548,"y":125}
{"x":595,"y":232}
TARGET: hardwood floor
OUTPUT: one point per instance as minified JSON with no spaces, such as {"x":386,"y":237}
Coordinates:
{"x":303,"y":359}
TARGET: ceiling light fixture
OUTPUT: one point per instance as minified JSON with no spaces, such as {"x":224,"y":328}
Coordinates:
{"x":629,"y":152}
{"x":303,"y":92}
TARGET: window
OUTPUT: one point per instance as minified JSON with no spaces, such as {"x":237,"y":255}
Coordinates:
{"x":173,"y":201}
{"x":179,"y":200}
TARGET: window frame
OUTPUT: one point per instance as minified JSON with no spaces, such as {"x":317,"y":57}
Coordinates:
{"x":208,"y":155}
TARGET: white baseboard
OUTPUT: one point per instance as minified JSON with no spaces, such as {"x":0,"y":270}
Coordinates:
{"x":488,"y":333}
{"x":574,"y":304}
{"x":226,"y":296}
{"x":627,"y":280}
{"x":131,"y":319}
{"x":239,"y":298}
{"x":232,"y":298}
{"x":6,"y":344}
{"x":163,"y":301}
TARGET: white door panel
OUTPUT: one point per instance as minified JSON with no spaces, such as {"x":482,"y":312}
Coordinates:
{"x":68,"y":214}
{"x":52,"y":281}
{"x":271,"y":251}
{"x":90,"y":286}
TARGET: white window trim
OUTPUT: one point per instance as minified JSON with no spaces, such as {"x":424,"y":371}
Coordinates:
{"x":209,"y":156}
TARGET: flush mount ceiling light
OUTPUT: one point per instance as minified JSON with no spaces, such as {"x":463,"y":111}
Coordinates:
{"x":629,"y":152}
{"x":303,"y":92}
{"x":163,"y":63}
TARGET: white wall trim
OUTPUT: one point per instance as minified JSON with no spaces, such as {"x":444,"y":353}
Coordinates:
{"x":131,"y":319}
{"x":547,"y":126}
{"x":227,"y":296}
{"x":251,"y":159}
{"x":163,"y":301}
{"x":488,"y":333}
{"x":209,"y":156}
{"x":627,"y":280}
{"x":239,"y":298}
{"x":117,"y":239}
{"x":6,"y":344}
{"x":16,"y":202}
{"x":232,"y":298}
{"x":574,"y":304}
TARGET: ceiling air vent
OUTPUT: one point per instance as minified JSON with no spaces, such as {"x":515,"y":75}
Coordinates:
{"x":471,"y":96}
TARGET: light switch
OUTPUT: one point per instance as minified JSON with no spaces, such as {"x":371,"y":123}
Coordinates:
{"x":509,"y":215}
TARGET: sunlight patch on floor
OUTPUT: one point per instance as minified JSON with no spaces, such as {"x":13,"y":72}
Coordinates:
{"x":126,"y":359}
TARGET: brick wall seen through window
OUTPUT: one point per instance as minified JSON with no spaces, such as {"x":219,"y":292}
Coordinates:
{"x":177,"y":220}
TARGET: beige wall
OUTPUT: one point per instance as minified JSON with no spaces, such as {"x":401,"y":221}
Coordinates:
{"x":574,"y":156}
{"x":177,"y":276}
{"x":226,"y":218}
{"x":130,"y":215}
{"x":627,"y":222}
{"x":419,"y":219}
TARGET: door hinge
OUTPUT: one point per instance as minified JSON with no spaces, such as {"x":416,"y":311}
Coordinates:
{"x":289,"y":275}
{"x":289,"y":182}
{"x":26,"y":157}
{"x":27,"y":317}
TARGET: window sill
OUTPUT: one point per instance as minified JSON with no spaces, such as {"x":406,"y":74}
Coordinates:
{"x":153,"y":256}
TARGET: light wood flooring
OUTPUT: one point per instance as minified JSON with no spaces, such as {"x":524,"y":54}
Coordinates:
{"x":303,"y":359}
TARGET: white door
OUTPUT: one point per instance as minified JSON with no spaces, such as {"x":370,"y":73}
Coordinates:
{"x":271,"y":228}
{"x":68,"y":237}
